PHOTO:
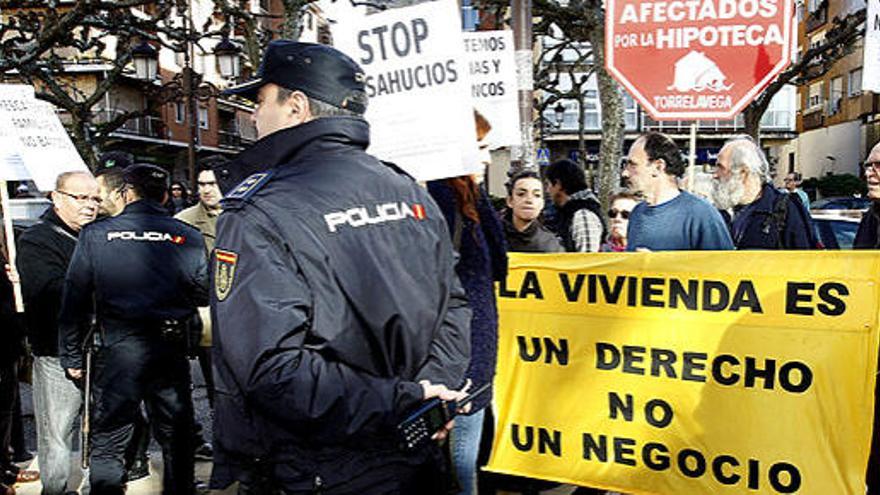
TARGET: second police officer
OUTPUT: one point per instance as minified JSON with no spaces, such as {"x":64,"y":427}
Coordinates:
{"x":145,"y":273}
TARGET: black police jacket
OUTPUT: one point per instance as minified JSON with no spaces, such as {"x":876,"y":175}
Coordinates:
{"x":136,"y":269}
{"x":44,"y":252}
{"x":335,"y":294}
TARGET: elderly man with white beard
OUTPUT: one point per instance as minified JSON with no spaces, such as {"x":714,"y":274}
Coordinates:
{"x":762,"y":217}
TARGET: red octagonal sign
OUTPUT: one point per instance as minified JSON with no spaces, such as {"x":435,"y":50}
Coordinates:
{"x":697,"y":59}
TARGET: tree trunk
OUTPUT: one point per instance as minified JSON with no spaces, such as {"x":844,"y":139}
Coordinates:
{"x":613,"y":122}
{"x":752,"y":117}
{"x":292,"y":27}
{"x":80,"y":134}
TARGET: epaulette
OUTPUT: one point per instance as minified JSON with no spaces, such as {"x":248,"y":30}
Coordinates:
{"x":246,"y":188}
{"x":396,"y":168}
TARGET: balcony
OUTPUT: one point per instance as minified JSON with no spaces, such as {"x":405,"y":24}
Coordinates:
{"x":813,"y":118}
{"x":818,"y":17}
{"x":232,"y":138}
{"x":148,"y":126}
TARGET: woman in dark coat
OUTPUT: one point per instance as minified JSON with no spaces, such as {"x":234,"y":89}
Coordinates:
{"x":524,"y":230}
{"x":478,"y":237}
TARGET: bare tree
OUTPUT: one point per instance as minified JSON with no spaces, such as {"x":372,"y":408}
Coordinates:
{"x":839,"y":41}
{"x":572,"y":24}
{"x":42,"y":40}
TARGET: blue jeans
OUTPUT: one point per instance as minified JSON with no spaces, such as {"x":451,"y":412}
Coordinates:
{"x":465,"y":447}
{"x":57,"y":404}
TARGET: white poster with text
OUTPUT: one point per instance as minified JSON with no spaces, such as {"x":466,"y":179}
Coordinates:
{"x":491,"y":64}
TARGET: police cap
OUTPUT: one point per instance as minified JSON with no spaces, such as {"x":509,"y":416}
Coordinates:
{"x":320,"y":71}
{"x":114,"y":160}
{"x":146,"y":176}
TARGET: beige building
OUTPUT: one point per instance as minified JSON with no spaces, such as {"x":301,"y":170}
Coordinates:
{"x":837,"y":122}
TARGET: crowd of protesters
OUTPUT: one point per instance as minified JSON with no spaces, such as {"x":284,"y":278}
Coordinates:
{"x":265,"y":336}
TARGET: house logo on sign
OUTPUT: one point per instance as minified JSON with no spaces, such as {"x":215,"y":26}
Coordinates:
{"x":697,"y":72}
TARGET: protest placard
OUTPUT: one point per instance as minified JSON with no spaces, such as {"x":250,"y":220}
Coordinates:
{"x":420,"y":110}
{"x":736,"y":372}
{"x":492,"y":67}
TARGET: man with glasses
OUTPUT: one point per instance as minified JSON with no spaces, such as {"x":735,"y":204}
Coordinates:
{"x":145,"y":273}
{"x":45,"y":251}
{"x":868,"y":237}
{"x":669,"y":219}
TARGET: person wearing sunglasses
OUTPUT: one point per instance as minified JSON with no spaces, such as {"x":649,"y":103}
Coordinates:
{"x":868,"y":237}
{"x":622,"y":205}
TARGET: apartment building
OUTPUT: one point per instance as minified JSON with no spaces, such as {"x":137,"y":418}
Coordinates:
{"x":837,"y":122}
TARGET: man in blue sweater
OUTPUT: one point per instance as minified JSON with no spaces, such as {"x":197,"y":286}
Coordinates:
{"x":669,"y":219}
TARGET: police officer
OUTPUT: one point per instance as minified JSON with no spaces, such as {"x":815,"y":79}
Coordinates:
{"x":146,"y":272}
{"x":337,"y":308}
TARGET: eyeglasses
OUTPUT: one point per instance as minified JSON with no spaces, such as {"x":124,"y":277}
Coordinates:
{"x":82,"y":198}
{"x":613,"y":213}
{"x":873,"y":165}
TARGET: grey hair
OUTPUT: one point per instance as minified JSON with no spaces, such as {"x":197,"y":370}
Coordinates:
{"x":745,"y":153}
{"x":319,"y":108}
{"x":63,"y":177}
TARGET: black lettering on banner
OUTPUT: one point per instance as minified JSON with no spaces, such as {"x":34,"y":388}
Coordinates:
{"x":612,"y":294}
{"x":631,"y":291}
{"x":607,"y":356}
{"x":715,"y":288}
{"x":632,"y":355}
{"x":753,"y":372}
{"x":531,"y":286}
{"x":503,"y":291}
{"x":572,"y":291}
{"x":718,"y":470}
{"x":678,"y":293}
{"x":832,"y":305}
{"x":690,"y":364}
{"x":663,"y":358}
{"x":793,"y":296}
{"x":623,"y":451}
{"x":746,"y":296}
{"x":698,"y":470}
{"x":754,"y":466}
{"x":651,"y":417}
{"x":650,"y":289}
{"x":806,"y":377}
{"x":592,"y":293}
{"x":717,"y":371}
{"x":661,"y":461}
{"x":550,"y":350}
{"x":546,"y":441}
{"x":615,"y":404}
{"x":776,"y":479}
{"x":591,"y":447}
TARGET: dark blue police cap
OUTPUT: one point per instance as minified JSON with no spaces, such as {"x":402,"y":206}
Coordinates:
{"x":146,"y":176}
{"x":320,"y":71}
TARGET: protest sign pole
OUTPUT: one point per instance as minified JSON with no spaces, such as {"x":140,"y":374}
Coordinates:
{"x":692,"y":157}
{"x":10,"y":243}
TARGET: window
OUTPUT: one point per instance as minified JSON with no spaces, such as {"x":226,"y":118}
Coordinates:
{"x":817,"y":39}
{"x":813,"y":5}
{"x":179,"y":112}
{"x":203,"y":118}
{"x":630,"y":112}
{"x":855,"y":82}
{"x":816,"y":98}
{"x":836,"y":95}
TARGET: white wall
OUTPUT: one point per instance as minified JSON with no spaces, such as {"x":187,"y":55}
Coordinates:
{"x":842,"y":141}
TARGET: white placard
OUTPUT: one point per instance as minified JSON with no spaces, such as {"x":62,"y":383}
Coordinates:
{"x":31,"y":130}
{"x":871,"y":63}
{"x":420,"y":110}
{"x":491,"y":63}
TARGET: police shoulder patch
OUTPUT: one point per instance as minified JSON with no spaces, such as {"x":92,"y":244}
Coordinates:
{"x":224,"y":272}
{"x":249,"y":186}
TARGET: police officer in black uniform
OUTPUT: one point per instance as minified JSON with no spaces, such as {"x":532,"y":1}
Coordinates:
{"x":146,"y":273}
{"x":336,"y":303}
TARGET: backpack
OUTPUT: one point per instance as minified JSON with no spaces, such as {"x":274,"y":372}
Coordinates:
{"x":779,"y":217}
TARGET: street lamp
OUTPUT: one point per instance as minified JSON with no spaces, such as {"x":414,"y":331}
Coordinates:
{"x":559,"y":109}
{"x":228,"y":59}
{"x":146,"y":61}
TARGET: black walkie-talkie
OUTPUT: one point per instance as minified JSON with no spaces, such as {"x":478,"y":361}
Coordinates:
{"x":420,"y":425}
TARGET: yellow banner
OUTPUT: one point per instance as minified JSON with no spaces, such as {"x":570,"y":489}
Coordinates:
{"x":689,"y":373}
